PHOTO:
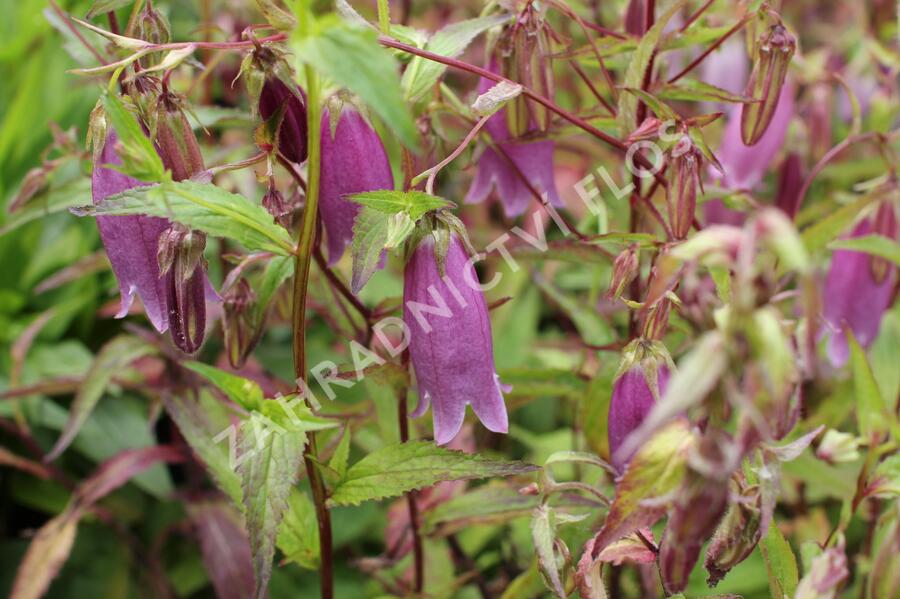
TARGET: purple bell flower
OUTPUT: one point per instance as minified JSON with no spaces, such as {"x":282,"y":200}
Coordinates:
{"x":353,"y":161}
{"x":450,"y":340}
{"x":505,"y":167}
{"x":859,"y":288}
{"x":632,"y":399}
{"x":131,"y":242}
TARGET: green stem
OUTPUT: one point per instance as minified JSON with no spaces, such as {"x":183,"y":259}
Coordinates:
{"x":301,"y":287}
{"x":384,"y":17}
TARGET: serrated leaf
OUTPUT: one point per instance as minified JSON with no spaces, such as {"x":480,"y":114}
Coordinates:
{"x":640,"y":62}
{"x":693,"y":90}
{"x":206,"y":425}
{"x":414,"y":204}
{"x":871,"y":415}
{"x":543,"y":534}
{"x":781,"y":565}
{"x":876,"y":245}
{"x":396,"y":469}
{"x":269,"y":461}
{"x":112,"y":358}
{"x":341,"y":455}
{"x":351,"y":57}
{"x":298,"y":535}
{"x":370,"y":233}
{"x":240,"y":390}
{"x":139,"y":157}
{"x":202,"y":206}
{"x":100,"y":7}
{"x":422,"y":74}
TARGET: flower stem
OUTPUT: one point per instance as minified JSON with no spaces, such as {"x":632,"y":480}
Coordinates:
{"x":418,"y":550}
{"x":301,"y":285}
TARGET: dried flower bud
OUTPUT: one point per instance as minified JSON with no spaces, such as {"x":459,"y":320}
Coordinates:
{"x":292,"y":131}
{"x":684,"y":181}
{"x":775,"y":50}
{"x":736,"y":536}
{"x":182,"y":266}
{"x":175,"y":140}
{"x":837,"y":447}
{"x":273,"y":201}
{"x":625,"y":268}
{"x":242,"y":331}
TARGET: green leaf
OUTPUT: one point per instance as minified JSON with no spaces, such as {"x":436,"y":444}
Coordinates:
{"x":276,"y":16}
{"x":489,"y":504}
{"x":278,"y":270}
{"x":351,"y":57}
{"x":592,"y":328}
{"x":414,"y":203}
{"x":876,"y":245}
{"x":370,"y":233}
{"x":659,"y":108}
{"x":48,"y":551}
{"x":692,"y":90}
{"x":871,"y":415}
{"x":421,"y":74}
{"x":298,"y":535}
{"x":139,"y":157}
{"x":72,"y":194}
{"x":655,"y":470}
{"x":543,"y":534}
{"x":396,"y":469}
{"x":206,"y":425}
{"x":269,"y":460}
{"x":825,"y":230}
{"x":202,"y":206}
{"x":100,"y":7}
{"x":543,"y":382}
{"x":341,"y":455}
{"x":111,"y":360}
{"x":241,"y":391}
{"x":640,"y":61}
{"x":781,"y":564}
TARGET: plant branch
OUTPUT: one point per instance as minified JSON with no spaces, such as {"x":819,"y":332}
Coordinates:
{"x":418,"y":549}
{"x":737,"y":27}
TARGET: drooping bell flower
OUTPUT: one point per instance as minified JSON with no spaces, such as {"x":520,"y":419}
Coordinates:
{"x":790,"y":182}
{"x":859,"y":288}
{"x":635,"y":17}
{"x":450,"y":338}
{"x":353,"y":161}
{"x":641,"y":381}
{"x":774,"y":52}
{"x":131,"y":242}
{"x":292,"y":132}
{"x":515,"y":166}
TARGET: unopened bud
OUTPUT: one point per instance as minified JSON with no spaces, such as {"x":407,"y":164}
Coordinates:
{"x":736,"y":536}
{"x":684,"y":181}
{"x":276,"y":205}
{"x":625,"y":268}
{"x":175,"y":140}
{"x":152,"y":27}
{"x":775,"y":50}
{"x":837,"y":447}
{"x":242,"y":332}
{"x":276,"y":95}
{"x":181,"y":262}
{"x":525,"y":58}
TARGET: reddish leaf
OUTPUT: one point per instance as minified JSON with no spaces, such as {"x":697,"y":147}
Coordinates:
{"x":225,"y":549}
{"x":118,"y":470}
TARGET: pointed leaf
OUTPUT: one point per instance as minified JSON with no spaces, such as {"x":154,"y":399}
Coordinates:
{"x":240,"y":390}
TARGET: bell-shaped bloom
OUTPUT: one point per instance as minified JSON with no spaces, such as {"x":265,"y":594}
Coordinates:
{"x":514,"y":167}
{"x":745,"y":166}
{"x":131,"y":242}
{"x":450,"y":340}
{"x":292,"y":134}
{"x":856,"y":295}
{"x":353,"y":161}
{"x":632,"y":399}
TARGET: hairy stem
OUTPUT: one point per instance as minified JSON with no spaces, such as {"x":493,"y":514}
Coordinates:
{"x":418,"y":550}
{"x":301,"y":285}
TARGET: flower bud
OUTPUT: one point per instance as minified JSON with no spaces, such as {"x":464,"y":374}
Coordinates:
{"x":525,"y":58}
{"x":684,"y":180}
{"x":242,"y":332}
{"x":641,"y":381}
{"x":275,"y":93}
{"x":182,"y":267}
{"x":826,"y":574}
{"x":775,"y":50}
{"x":625,"y":268}
{"x":152,"y":27}
{"x":736,"y":536}
{"x":635,"y":21}
{"x":175,"y":140}
{"x":450,"y":338}
{"x":276,"y":205}
{"x":790,"y":182}
{"x":837,"y":447}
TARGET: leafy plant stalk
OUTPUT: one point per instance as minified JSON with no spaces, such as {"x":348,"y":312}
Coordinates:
{"x":301,"y":287}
